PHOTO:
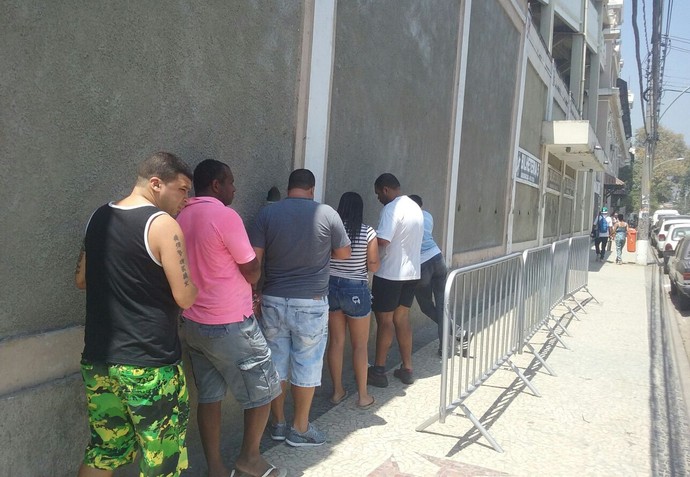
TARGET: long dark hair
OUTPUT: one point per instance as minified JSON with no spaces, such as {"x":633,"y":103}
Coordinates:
{"x":351,"y":209}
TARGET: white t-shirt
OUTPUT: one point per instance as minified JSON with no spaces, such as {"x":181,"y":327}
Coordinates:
{"x":402,"y":224}
{"x":596,"y":225}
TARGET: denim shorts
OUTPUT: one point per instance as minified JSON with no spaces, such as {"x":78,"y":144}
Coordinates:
{"x":296,"y":330}
{"x":234,"y":355}
{"x":352,"y":297}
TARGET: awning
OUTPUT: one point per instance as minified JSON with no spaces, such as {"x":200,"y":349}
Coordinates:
{"x":613,"y":186}
{"x":575,"y":143}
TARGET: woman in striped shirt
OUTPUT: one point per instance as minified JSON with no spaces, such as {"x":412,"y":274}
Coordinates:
{"x":349,"y":300}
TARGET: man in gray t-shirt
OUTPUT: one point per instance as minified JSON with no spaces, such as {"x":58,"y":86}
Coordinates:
{"x":297,"y":237}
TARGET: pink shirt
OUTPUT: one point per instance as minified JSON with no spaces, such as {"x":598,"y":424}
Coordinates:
{"x":216,"y":242}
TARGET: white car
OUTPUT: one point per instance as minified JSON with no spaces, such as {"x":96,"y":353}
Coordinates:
{"x":663,"y":231}
{"x":675,"y":233}
{"x":655,"y":216}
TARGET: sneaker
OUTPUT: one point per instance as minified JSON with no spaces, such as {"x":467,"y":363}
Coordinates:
{"x":313,"y":437}
{"x":404,"y":375}
{"x":278,"y":431}
{"x":376,"y":378}
{"x":466,"y":338}
{"x":459,"y":333}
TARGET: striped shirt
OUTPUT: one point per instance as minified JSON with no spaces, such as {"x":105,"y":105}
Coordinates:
{"x":355,"y":267}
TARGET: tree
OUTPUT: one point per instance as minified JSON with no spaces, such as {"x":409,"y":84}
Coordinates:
{"x":670,"y":182}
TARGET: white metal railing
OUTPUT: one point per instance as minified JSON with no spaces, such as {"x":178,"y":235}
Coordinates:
{"x":578,"y":268}
{"x":501,"y":304}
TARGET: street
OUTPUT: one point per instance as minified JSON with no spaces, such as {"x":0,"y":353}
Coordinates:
{"x":669,"y":335}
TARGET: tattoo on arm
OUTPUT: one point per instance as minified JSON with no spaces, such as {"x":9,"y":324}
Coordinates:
{"x":81,"y":257}
{"x":183,"y":265}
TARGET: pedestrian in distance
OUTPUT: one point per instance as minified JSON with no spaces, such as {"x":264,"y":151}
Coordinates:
{"x":620,"y":234}
{"x":226,"y":346}
{"x":432,"y":284}
{"x":600,"y":229}
{"x":349,"y":300}
{"x":614,"y":221}
{"x":400,"y":232}
{"x":297,"y":237}
{"x":133,"y":266}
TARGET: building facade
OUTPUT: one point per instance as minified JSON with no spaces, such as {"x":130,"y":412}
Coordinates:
{"x":504,"y":115}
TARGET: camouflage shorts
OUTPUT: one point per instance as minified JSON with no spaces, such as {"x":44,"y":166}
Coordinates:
{"x":135,"y":408}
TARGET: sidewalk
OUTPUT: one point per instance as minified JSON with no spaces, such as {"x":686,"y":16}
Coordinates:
{"x":592,"y":419}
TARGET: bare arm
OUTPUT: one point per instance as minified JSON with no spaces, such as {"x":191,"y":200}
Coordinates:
{"x":382,"y":242}
{"x":373,"y":261}
{"x":251,"y":271}
{"x":341,"y":253}
{"x":80,"y":271}
{"x":168,"y":246}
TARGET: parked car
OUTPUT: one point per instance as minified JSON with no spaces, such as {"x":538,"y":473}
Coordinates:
{"x":675,"y":233}
{"x":662,"y":230}
{"x":655,"y":225}
{"x":679,"y":273}
{"x":660,"y":212}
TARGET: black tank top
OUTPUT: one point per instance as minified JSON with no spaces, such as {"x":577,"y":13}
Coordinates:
{"x":131,"y":315}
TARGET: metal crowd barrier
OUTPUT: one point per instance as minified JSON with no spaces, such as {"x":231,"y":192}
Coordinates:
{"x":578,"y":268}
{"x":502,"y":303}
{"x":536,"y":288}
{"x":559,"y":274}
{"x":484,"y":300}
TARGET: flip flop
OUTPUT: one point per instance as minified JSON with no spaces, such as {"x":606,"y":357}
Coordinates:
{"x":281,"y":472}
{"x":367,"y":406}
{"x":338,"y":401}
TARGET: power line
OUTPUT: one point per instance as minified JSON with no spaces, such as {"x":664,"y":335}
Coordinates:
{"x":636,"y":33}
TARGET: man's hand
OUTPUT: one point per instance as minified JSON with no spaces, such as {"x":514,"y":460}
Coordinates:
{"x":256,"y":303}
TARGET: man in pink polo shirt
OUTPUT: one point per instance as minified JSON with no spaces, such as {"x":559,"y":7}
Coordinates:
{"x":226,"y":345}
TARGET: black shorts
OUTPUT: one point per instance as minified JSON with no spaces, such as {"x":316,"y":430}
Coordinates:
{"x":389,"y":294}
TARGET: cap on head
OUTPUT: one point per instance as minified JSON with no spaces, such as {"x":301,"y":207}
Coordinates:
{"x":605,"y":210}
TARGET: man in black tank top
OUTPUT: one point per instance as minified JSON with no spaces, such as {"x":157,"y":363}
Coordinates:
{"x":136,"y":281}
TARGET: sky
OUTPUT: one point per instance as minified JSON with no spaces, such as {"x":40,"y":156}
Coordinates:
{"x":677,"y":66}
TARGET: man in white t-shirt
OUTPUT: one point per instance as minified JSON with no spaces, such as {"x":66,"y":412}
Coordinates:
{"x":400,"y":232}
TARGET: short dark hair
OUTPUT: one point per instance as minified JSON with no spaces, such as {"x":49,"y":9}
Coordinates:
{"x":620,"y":217}
{"x":386,"y":180}
{"x":301,"y":179}
{"x":165,"y":166}
{"x":416,"y":198}
{"x":206,"y":172}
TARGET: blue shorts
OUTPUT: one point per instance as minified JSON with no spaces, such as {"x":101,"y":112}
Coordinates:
{"x":350,"y":296}
{"x":296,"y":330}
{"x":234,"y":355}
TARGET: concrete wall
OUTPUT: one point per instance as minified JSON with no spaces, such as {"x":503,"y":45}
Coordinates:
{"x":86,"y":92}
{"x":392,"y":99}
{"x":533,"y":111}
{"x":526,"y":209}
{"x":487,"y":128}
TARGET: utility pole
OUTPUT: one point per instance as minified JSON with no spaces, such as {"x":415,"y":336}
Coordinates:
{"x":652,"y":121}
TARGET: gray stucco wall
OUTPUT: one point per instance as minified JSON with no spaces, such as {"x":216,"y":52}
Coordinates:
{"x":526,"y":209}
{"x":525,"y":213}
{"x":485,"y":155}
{"x":86,"y":92}
{"x":56,"y":411}
{"x":392,"y":99}
{"x":533,"y":110}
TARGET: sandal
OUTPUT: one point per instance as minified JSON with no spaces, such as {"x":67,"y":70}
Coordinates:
{"x":367,"y":406}
{"x":338,"y":401}
{"x":281,"y":472}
